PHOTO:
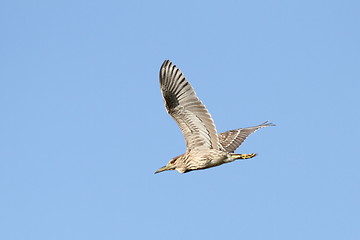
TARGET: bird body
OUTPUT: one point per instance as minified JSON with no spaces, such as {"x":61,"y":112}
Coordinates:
{"x":205,"y":148}
{"x":206,"y":158}
{"x":199,"y":159}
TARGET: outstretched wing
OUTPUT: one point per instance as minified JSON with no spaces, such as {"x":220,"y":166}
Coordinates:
{"x":232,"y":139}
{"x":188,"y":111}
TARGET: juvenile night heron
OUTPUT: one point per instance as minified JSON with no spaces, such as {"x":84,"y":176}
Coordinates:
{"x":204,"y":147}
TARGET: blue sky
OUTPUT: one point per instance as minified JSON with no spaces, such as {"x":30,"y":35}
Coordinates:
{"x":83,"y":125}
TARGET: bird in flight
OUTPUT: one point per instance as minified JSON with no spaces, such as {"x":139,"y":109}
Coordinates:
{"x":204,"y":147}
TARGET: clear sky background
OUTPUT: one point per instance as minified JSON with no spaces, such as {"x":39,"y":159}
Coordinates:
{"x":83,"y":125}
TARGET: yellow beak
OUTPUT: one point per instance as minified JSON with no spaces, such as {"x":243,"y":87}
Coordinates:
{"x":165,"y":168}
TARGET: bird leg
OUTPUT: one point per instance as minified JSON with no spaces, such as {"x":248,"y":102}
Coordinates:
{"x":243,"y":156}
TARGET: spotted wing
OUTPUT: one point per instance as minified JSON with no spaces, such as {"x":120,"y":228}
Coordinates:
{"x":188,"y":111}
{"x":232,"y":139}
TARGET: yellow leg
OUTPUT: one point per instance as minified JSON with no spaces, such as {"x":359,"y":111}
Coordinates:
{"x":243,"y":156}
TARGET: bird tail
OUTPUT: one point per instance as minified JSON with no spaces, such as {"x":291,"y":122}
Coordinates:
{"x":243,"y":156}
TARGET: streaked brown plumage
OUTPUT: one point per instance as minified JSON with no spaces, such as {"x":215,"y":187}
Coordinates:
{"x":204,"y":147}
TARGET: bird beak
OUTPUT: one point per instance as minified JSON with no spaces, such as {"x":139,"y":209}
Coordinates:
{"x":164,"y":168}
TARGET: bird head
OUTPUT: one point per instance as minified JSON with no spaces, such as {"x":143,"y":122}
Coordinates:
{"x":170,"y":166}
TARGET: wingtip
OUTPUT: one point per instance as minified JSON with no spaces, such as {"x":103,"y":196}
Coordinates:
{"x":268,"y":124}
{"x":167,"y":62}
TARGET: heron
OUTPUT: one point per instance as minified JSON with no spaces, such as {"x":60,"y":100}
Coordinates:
{"x":205,"y":148}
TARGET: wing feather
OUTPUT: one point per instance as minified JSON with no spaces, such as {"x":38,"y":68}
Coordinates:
{"x":232,"y":139}
{"x":187,"y":110}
